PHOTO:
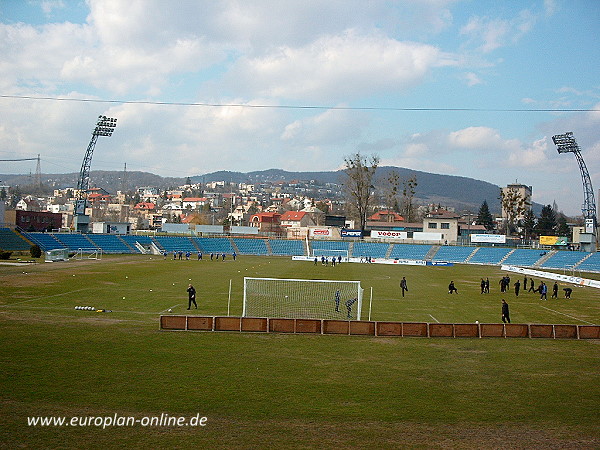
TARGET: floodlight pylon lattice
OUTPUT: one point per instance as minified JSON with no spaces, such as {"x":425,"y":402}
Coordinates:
{"x":104,"y":127}
{"x":566,"y":143}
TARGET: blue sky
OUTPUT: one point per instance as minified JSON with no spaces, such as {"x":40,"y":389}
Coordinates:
{"x":362,"y":65}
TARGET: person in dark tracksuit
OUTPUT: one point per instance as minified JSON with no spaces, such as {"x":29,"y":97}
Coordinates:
{"x":191,"y":297}
{"x":403,"y":285}
{"x":505,"y":312}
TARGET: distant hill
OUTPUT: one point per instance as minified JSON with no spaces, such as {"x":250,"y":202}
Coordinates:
{"x":459,"y":192}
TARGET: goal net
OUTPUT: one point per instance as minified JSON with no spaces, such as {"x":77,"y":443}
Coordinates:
{"x":306,"y":299}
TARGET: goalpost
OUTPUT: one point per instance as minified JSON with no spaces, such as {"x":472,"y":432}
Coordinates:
{"x":302,"y":299}
{"x":328,"y":253}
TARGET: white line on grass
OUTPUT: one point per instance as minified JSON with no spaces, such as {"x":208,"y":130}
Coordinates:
{"x":170,"y":307}
{"x":49,"y":296}
{"x":557,"y":312}
{"x":434,"y":318}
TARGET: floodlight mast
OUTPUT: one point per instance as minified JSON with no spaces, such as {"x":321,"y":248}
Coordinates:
{"x":566,"y":143}
{"x":104,"y":127}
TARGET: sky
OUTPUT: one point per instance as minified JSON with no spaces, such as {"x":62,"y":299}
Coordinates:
{"x":473,"y":88}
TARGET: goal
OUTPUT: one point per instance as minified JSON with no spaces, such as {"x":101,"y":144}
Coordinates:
{"x":302,"y":299}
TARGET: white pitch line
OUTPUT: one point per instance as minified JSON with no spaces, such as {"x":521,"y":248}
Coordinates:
{"x":170,"y":307}
{"x":434,"y":318}
{"x":558,"y":312}
{"x":43,"y":298}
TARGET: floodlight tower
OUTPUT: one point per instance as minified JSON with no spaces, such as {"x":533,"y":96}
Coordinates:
{"x":104,"y":127}
{"x":566,"y":143}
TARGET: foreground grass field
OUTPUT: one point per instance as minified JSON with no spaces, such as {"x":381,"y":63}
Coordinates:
{"x":260,"y":391}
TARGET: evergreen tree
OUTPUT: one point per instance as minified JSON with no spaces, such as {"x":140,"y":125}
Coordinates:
{"x":546,"y":225}
{"x":528,"y":224}
{"x":562,"y":228}
{"x":484,"y":217}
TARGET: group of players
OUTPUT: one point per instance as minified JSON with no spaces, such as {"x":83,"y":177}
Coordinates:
{"x":528,"y":286}
{"x":213,"y":256}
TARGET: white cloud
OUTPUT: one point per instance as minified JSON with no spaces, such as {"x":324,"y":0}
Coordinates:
{"x":340,"y":67}
{"x":489,"y":34}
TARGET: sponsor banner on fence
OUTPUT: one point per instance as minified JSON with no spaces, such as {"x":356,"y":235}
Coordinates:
{"x":320,"y":232}
{"x":488,"y":238}
{"x":350,"y":233}
{"x":377,"y":234}
{"x":439,"y":263}
{"x":553,"y":240}
{"x":407,"y":262}
{"x":553,"y":276}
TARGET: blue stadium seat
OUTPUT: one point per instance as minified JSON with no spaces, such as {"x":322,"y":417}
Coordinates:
{"x":214,"y":245}
{"x":110,"y":243}
{"x":563,"y":259}
{"x":175,"y":244}
{"x":591,"y":264}
{"x":75,"y":242}
{"x":46,"y":241}
{"x":453,"y":254}
{"x":410,"y":251}
{"x":524,"y":257}
{"x":489,"y":255}
{"x":370,"y":249}
{"x":10,"y":240}
{"x":251,"y":246}
{"x":287,"y":247}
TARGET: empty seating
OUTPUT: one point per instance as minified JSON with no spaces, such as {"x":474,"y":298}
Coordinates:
{"x":46,"y":241}
{"x":410,"y":251}
{"x":9,"y":240}
{"x":525,"y":257}
{"x":287,"y":247}
{"x":214,"y":245}
{"x":370,"y":249}
{"x":75,"y":242}
{"x":251,"y":246}
{"x":591,"y":264}
{"x":110,"y":243}
{"x":175,"y":244}
{"x":453,"y":254}
{"x":563,"y":260}
{"x":330,"y":248}
{"x":489,"y":255}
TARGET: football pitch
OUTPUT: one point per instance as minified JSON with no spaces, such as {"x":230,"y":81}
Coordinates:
{"x":279,"y":390}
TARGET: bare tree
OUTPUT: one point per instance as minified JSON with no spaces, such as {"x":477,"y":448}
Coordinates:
{"x":514,"y":207}
{"x":391,"y":193}
{"x":358,"y":185}
{"x":409,"y":187}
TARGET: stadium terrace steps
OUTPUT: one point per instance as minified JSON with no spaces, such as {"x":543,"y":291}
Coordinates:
{"x":381,"y":328}
{"x":13,"y":241}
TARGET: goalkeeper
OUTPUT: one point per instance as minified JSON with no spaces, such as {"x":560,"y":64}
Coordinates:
{"x":337,"y":300}
{"x":349,"y":304}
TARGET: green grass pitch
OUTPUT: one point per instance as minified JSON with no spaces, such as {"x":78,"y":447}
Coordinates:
{"x":287,"y":391}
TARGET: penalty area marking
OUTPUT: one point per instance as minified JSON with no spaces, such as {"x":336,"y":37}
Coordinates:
{"x":433,"y":318}
{"x":572,"y":317}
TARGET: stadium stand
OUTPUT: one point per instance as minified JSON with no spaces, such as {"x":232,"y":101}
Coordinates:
{"x":564,"y":260}
{"x":109,"y":243}
{"x":287,"y":248}
{"x":489,"y":255}
{"x":46,"y":241}
{"x":410,"y":251}
{"x":75,"y":242}
{"x":251,"y":246}
{"x":214,"y":245}
{"x":10,"y":240}
{"x":175,"y":244}
{"x":525,"y":257}
{"x":133,"y":240}
{"x":453,"y":254}
{"x":371,"y":249}
{"x":591,"y":264}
